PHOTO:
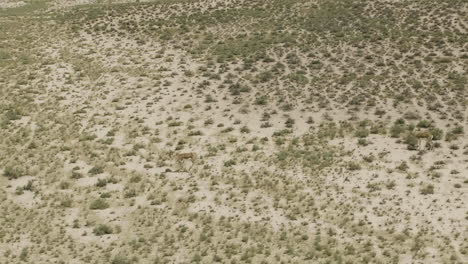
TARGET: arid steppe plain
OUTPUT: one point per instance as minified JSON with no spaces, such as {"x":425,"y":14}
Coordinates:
{"x":233,"y":131}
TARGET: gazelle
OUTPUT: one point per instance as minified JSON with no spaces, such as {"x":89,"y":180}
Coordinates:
{"x":184,"y":156}
{"x":427,"y":136}
{"x":180,"y":157}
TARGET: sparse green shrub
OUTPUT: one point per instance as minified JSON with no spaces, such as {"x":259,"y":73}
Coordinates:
{"x":424,"y":124}
{"x":244,"y":129}
{"x":101,"y":183}
{"x":105,"y":195}
{"x":209,"y":99}
{"x":353,"y":166}
{"x":454,"y":147}
{"x":175,"y":124}
{"x":428,"y":189}
{"x":280,"y":141}
{"x":195,"y":133}
{"x":363,"y":142}
{"x":28,"y":186}
{"x":135,"y":178}
{"x":19,"y":191}
{"x":102,"y":230}
{"x":266,"y":125}
{"x":298,"y":78}
{"x":66,"y":202}
{"x":12,"y":114}
{"x":98,"y":204}
{"x":229,"y":163}
{"x":454,"y":133}
{"x":227,"y":130}
{"x":237,"y":88}
{"x":76,"y":175}
{"x":289,"y":122}
{"x":209,"y":121}
{"x":130,"y":193}
{"x":362,"y":133}
{"x":261,"y":100}
{"x":457,"y":130}
{"x":411,"y":115}
{"x":369,"y":158}
{"x":280,"y":133}
{"x":24,"y":254}
{"x":87,"y":137}
{"x":437,"y":134}
{"x":403,"y":166}
{"x":265,"y":76}
{"x":96,"y":170}
{"x":412,"y":142}
{"x":12,"y":173}
{"x":396,"y":130}
{"x":119,"y":259}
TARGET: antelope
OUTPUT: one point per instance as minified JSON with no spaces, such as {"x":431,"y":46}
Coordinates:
{"x":186,"y":156}
{"x":426,"y":135}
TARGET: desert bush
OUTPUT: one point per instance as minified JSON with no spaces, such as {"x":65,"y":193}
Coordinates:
{"x":428,"y":189}
{"x":424,"y":124}
{"x":353,"y":166}
{"x":265,"y":76}
{"x":266,"y":125}
{"x":98,"y":204}
{"x":66,"y":202}
{"x":102,"y":230}
{"x":209,"y":121}
{"x":101,"y":183}
{"x":96,"y":170}
{"x":12,"y":173}
{"x":244,"y":129}
{"x":195,"y":133}
{"x":76,"y":175}
{"x":454,"y":133}
{"x":175,"y":124}
{"x":261,"y":100}
{"x":280,"y":133}
{"x":363,"y":142}
{"x":119,"y":259}
{"x":24,"y":254}
{"x":437,"y":134}
{"x":411,"y":115}
{"x":289,"y":122}
{"x":458,"y":130}
{"x":209,"y":99}
{"x":29,"y":186}
{"x":227,"y":130}
{"x":105,"y":195}
{"x":229,"y":163}
{"x":396,"y":130}
{"x":12,"y":114}
{"x":454,"y":147}
{"x":411,"y":141}
{"x":236,"y":89}
{"x":87,"y":137}
{"x":130,"y":193}
{"x":362,"y":133}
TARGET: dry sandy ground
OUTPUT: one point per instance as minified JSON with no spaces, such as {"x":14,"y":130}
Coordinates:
{"x":286,"y":169}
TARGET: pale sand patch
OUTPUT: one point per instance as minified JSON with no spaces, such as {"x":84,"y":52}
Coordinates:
{"x":11,"y":4}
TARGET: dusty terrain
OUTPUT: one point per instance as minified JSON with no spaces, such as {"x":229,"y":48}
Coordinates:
{"x":227,"y":131}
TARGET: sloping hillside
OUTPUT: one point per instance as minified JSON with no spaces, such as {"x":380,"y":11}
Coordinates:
{"x":225,"y":131}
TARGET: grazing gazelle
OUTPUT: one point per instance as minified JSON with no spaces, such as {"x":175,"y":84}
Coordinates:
{"x":427,"y":136}
{"x":180,"y":157}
